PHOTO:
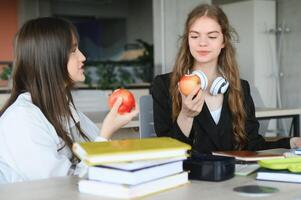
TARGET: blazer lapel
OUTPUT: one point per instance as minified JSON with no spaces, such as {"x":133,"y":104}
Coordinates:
{"x":224,"y":126}
{"x":206,"y":122}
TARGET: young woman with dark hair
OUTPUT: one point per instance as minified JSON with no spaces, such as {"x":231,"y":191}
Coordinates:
{"x":39,"y":122}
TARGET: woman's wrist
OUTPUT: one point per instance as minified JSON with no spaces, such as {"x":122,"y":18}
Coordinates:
{"x":106,"y":132}
{"x":183,"y":117}
{"x":185,"y":123}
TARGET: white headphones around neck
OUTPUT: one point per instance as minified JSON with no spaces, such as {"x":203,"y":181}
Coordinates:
{"x":219,"y":85}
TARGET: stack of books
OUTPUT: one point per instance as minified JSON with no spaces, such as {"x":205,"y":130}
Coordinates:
{"x":132,"y":168}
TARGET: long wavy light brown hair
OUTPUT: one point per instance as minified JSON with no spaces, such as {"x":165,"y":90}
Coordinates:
{"x":41,"y":49}
{"x":226,"y":61}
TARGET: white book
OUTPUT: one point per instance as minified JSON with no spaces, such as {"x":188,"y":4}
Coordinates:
{"x":132,"y":165}
{"x":135,"y":176}
{"x":297,"y":151}
{"x":132,"y":191}
{"x":278,"y":175}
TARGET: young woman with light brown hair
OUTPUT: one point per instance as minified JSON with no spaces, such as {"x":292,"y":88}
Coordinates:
{"x":222,"y":115}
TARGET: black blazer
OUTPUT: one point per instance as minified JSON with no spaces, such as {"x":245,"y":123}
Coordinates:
{"x":206,"y":136}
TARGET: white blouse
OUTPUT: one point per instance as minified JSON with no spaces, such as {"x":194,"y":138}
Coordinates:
{"x":29,"y":144}
{"x":216,"y":114}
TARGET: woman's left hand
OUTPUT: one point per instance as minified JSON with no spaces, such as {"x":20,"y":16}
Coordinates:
{"x":295,"y":142}
{"x":114,"y":121}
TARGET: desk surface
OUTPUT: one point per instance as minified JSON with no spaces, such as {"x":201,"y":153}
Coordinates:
{"x":276,"y":112}
{"x":65,"y":188}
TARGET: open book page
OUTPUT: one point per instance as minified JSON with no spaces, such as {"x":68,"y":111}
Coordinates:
{"x":252,"y":155}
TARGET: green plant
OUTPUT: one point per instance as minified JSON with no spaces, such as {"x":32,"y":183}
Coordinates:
{"x":6,"y":73}
{"x":106,"y":76}
{"x":88,"y":79}
{"x":125,"y":77}
{"x":146,"y":71}
{"x":110,"y":74}
{"x":115,"y":74}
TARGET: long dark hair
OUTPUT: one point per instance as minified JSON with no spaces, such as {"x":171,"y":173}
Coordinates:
{"x":41,"y":49}
{"x":227,"y":62}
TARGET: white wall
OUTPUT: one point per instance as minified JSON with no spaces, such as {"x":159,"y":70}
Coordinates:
{"x":264,"y":51}
{"x":244,"y":27}
{"x":290,"y":53}
{"x":256,"y":47}
{"x":169,"y":19}
{"x":30,"y":9}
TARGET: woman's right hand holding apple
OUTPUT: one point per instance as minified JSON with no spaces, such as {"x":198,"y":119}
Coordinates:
{"x":192,"y":105}
{"x":192,"y":95}
{"x":116,"y":119}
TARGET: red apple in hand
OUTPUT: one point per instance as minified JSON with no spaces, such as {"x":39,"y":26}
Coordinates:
{"x":128,"y":100}
{"x":187,"y":83}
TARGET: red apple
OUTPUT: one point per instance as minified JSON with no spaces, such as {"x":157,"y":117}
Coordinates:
{"x":128,"y":100}
{"x":187,"y":83}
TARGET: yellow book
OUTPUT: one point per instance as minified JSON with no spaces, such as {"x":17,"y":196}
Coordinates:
{"x":95,"y":153}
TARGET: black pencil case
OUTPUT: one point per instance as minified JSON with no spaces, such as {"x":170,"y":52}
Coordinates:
{"x":209,"y":167}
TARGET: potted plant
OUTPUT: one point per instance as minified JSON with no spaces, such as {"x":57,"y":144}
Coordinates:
{"x":5,"y":73}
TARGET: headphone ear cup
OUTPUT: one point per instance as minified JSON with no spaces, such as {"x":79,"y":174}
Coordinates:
{"x":219,"y":86}
{"x":225,"y":87}
{"x":203,"y":78}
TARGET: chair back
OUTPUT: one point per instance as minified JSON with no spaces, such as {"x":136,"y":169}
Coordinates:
{"x":146,"y":117}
